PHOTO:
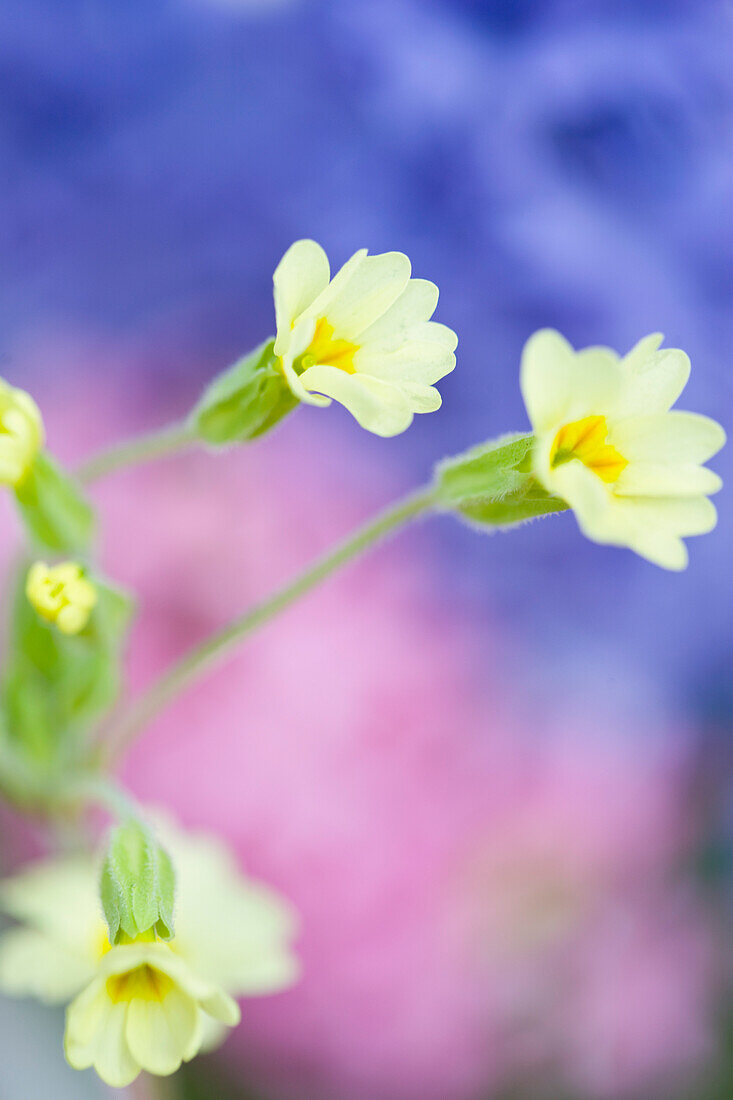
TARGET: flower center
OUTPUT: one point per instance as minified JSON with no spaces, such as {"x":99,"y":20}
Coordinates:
{"x":324,"y":349}
{"x":586,"y":440}
{"x":141,"y":984}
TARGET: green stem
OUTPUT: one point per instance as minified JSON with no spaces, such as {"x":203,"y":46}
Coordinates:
{"x":193,"y":664}
{"x":101,"y":791}
{"x":142,"y":448}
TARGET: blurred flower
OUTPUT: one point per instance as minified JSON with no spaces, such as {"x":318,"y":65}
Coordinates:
{"x":608,"y":444}
{"x":21,"y":433}
{"x":145,"y":1004}
{"x":594,"y":959}
{"x":144,"y":1009}
{"x":363,"y":338}
{"x":62,"y":594}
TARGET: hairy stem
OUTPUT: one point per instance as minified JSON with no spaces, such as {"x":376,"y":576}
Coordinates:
{"x":198,"y":660}
{"x":98,"y":790}
{"x":132,"y":452}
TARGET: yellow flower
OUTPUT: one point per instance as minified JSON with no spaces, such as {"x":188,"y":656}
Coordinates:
{"x":146,"y":1005}
{"x":144,"y":1009}
{"x":608,"y":444}
{"x":21,"y":433}
{"x":363,"y":338}
{"x":62,"y":594}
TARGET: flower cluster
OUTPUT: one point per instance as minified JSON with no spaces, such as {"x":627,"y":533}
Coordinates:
{"x":184,"y":934}
{"x":146,"y":1004}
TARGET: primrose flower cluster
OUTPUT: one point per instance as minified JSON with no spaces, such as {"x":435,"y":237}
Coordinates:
{"x":143,"y":1002}
{"x":150,"y":949}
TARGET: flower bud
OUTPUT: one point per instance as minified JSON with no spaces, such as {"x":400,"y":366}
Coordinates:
{"x":137,"y":885}
{"x":62,"y":594}
{"x":21,"y":433}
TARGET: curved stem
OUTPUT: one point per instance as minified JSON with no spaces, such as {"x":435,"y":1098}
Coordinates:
{"x":193,"y":664}
{"x":141,"y":448}
{"x":102,"y":791}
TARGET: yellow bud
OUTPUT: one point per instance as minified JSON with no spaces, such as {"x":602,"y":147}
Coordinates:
{"x":61,"y":594}
{"x":21,"y":433}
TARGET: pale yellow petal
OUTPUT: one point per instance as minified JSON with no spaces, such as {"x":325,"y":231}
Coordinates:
{"x":681,"y":516}
{"x":415,"y":361}
{"x":422,"y":399}
{"x":654,"y":379}
{"x":212,"y":1034}
{"x":95,"y":1036}
{"x":222,"y":1007}
{"x":433,"y":332}
{"x":676,"y":437}
{"x":337,"y":286}
{"x":637,"y":359}
{"x":369,"y":292}
{"x":84,"y":1016}
{"x":32,"y":964}
{"x":256,"y":973}
{"x":560,"y":385}
{"x":591,"y":502}
{"x":415,"y":305}
{"x":113,"y":1060}
{"x":377,"y":405}
{"x":159,"y":1033}
{"x":236,"y":932}
{"x":58,"y":896}
{"x":666,"y":479}
{"x":661,"y":549}
{"x":299,"y":278}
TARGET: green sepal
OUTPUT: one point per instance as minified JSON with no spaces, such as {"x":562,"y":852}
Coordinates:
{"x":55,"y":512}
{"x":528,"y":502}
{"x":244,"y":401}
{"x":137,"y":885}
{"x":492,"y":485}
{"x":56,"y":685}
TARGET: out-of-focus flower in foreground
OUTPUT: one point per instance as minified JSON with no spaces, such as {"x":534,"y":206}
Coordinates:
{"x":144,"y":1009}
{"x":21,"y":433}
{"x":62,"y":594}
{"x":607,"y":443}
{"x":363,"y":338}
{"x":146,"y":1004}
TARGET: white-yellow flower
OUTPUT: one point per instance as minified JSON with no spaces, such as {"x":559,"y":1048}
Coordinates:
{"x":146,"y":1008}
{"x":146,"y":1005}
{"x":363,"y":338}
{"x":21,"y":433}
{"x":608,"y":444}
{"x":62,"y":594}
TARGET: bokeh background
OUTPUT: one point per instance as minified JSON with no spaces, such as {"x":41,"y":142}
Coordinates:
{"x":493,"y":774}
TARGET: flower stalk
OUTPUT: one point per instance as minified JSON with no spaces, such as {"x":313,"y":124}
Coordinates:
{"x":213,"y":649}
{"x":133,"y":452}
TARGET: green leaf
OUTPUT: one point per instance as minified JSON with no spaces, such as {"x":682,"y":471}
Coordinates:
{"x":492,"y":485}
{"x":137,"y":884}
{"x":56,"y":514}
{"x":56,"y":685}
{"x":244,"y":401}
